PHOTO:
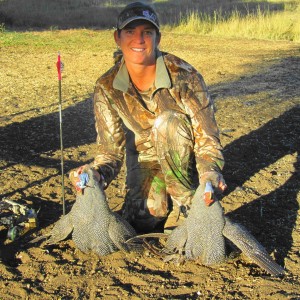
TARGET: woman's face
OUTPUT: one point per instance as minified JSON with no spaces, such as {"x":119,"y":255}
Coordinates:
{"x":138,"y":42}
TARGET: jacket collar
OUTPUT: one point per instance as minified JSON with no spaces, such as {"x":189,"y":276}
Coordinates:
{"x":162,"y":78}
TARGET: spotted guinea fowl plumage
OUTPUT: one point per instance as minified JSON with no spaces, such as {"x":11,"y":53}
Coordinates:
{"x":94,"y":226}
{"x":203,"y":235}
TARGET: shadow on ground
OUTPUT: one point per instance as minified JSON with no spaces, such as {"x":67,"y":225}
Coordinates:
{"x":271,"y":218}
{"x":27,"y":141}
{"x":281,"y":79}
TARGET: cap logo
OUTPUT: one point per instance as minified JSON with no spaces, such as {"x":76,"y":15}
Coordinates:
{"x":148,"y":15}
{"x":136,"y":12}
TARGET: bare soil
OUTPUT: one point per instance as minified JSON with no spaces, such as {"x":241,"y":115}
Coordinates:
{"x":256,"y":88}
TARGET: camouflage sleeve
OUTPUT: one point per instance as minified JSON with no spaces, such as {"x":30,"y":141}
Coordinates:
{"x":199,"y":106}
{"x":110,"y":137}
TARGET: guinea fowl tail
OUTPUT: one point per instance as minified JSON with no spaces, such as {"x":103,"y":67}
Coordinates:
{"x":61,"y":230}
{"x":246,"y":242}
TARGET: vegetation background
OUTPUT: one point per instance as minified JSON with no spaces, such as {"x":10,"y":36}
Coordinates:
{"x":249,"y":55}
{"x":275,"y":19}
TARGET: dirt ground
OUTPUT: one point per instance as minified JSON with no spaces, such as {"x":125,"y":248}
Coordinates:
{"x":256,"y":88}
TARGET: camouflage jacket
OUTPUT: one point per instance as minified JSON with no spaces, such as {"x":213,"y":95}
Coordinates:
{"x":123,"y":121}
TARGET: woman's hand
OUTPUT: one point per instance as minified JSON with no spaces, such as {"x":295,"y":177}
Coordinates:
{"x":79,"y":178}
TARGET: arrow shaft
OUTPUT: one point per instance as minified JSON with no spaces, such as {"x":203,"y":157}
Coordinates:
{"x":58,"y":65}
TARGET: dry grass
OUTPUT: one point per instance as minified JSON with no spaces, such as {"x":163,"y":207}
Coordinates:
{"x":261,"y":24}
{"x":232,"y":18}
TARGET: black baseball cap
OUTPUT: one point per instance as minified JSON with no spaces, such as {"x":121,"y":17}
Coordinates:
{"x":137,"y":11}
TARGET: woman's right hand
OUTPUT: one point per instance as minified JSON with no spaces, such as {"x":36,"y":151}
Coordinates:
{"x":79,"y":178}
